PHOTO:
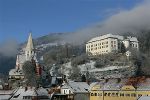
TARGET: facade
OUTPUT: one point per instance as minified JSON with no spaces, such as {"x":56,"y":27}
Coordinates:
{"x":76,"y":90}
{"x":110,"y":43}
{"x":27,"y":54}
{"x":120,"y":89}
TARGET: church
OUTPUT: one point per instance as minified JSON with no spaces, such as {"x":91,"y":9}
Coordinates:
{"x":26,"y":54}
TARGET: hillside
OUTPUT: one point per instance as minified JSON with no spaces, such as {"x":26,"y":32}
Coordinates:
{"x":62,"y":53}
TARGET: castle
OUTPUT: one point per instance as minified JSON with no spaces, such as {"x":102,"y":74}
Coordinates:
{"x":26,"y":54}
{"x":110,"y":43}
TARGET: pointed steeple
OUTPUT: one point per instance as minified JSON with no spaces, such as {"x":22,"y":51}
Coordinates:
{"x":29,"y":46}
{"x":29,"y":52}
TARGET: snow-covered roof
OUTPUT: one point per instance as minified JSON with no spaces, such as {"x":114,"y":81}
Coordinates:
{"x":21,"y":92}
{"x":132,"y":39}
{"x":106,"y":36}
{"x":108,"y":68}
{"x":15,"y":72}
{"x":117,"y":84}
{"x":144,"y":98}
{"x":77,"y":87}
{"x":42,"y":92}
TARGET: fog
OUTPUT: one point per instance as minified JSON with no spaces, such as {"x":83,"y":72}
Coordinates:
{"x":9,"y":48}
{"x":132,"y":20}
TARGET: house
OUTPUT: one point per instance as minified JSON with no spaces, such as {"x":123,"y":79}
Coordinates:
{"x":76,"y":90}
{"x":120,"y":89}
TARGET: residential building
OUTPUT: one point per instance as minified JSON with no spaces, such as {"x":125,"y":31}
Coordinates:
{"x":76,"y":90}
{"x":110,"y":43}
{"x":120,"y":89}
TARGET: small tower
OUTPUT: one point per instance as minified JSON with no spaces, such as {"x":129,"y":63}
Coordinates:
{"x":17,"y":63}
{"x":29,"y":51}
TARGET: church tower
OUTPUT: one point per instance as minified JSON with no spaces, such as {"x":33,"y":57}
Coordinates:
{"x":29,"y":51}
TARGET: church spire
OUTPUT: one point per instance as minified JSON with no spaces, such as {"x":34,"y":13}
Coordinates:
{"x":29,"y":46}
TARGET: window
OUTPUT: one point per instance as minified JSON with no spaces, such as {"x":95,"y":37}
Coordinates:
{"x":99,"y":94}
{"x":139,"y":95}
{"x":113,"y":94}
{"x":64,"y":92}
{"x":92,"y":94}
{"x":95,"y":94}
{"x":128,"y":95}
{"x":133,"y":95}
{"x":109,"y":94}
{"x":105,"y":94}
{"x":121,"y":94}
{"x":116,"y":94}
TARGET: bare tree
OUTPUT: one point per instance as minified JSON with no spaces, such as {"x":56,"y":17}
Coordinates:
{"x":30,"y":74}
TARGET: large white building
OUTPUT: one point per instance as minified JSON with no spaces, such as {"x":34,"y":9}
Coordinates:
{"x":110,"y":43}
